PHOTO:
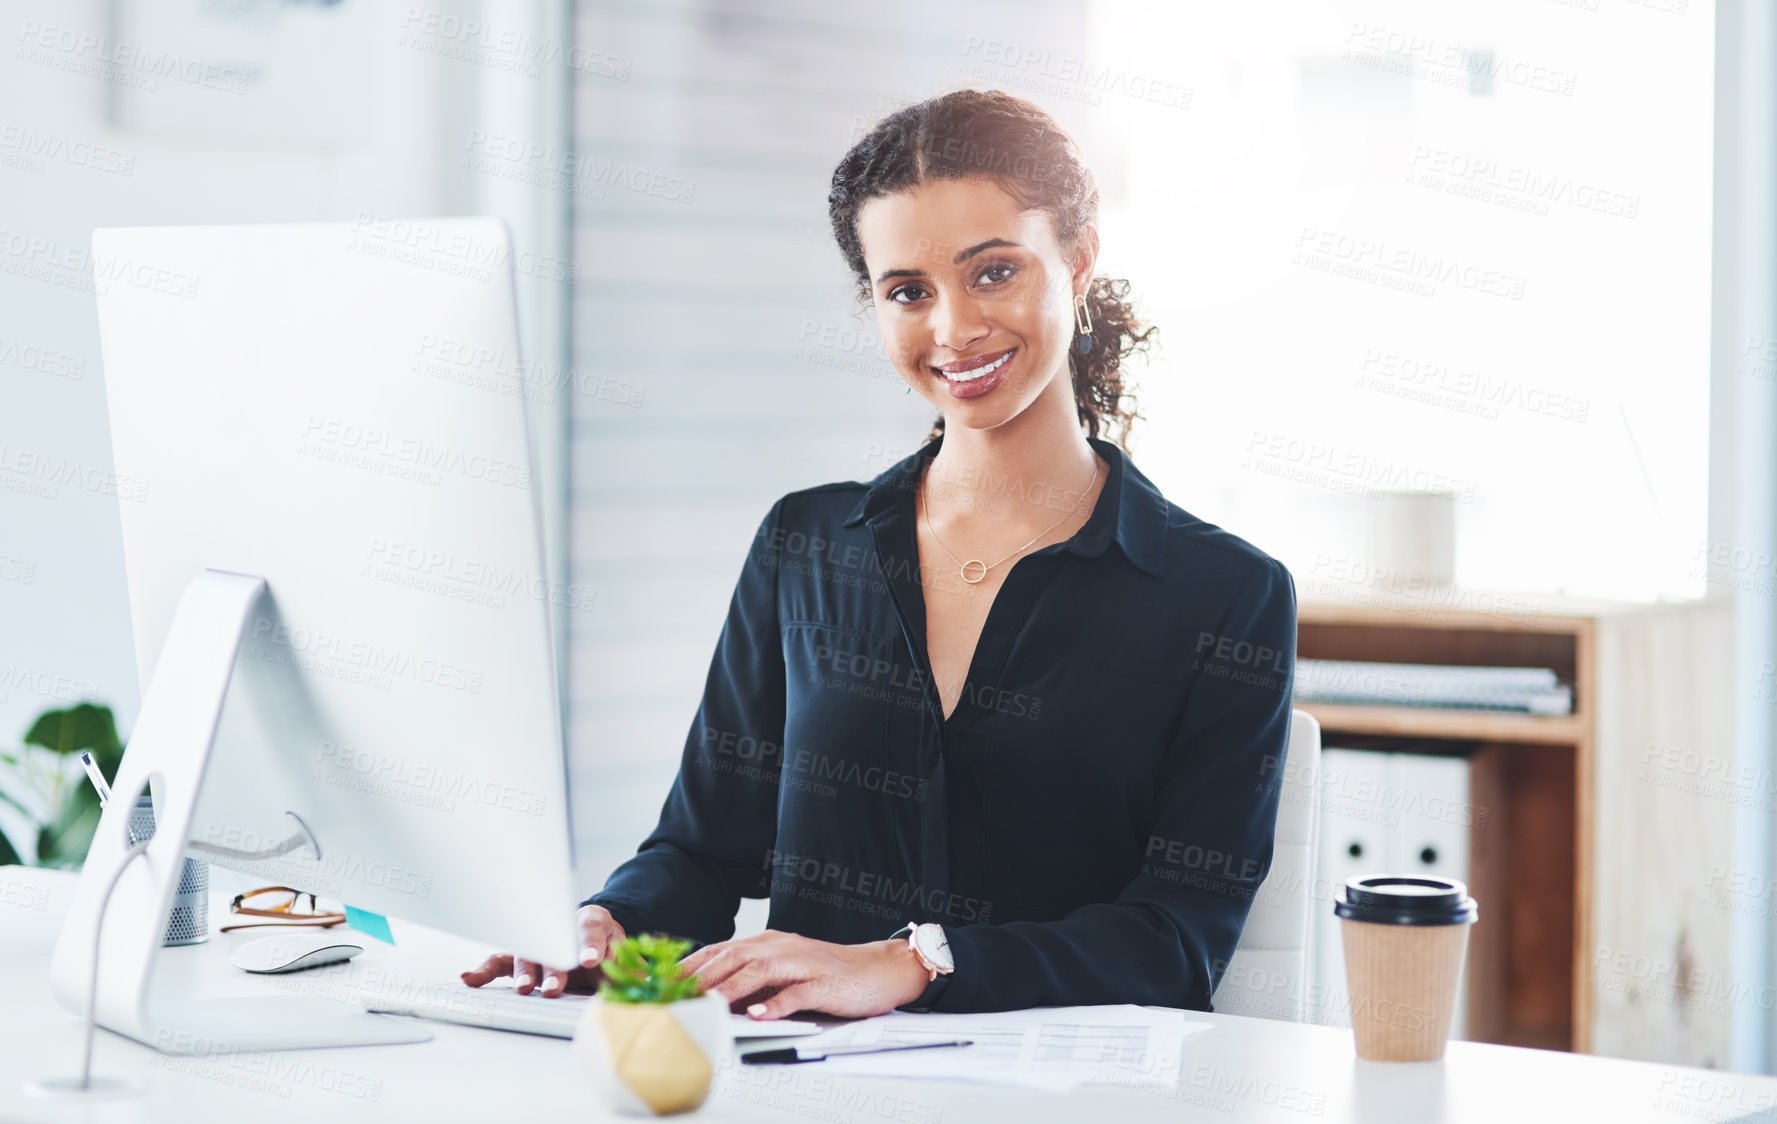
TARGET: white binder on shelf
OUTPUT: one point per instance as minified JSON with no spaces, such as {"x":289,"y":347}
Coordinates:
{"x":1353,"y":841}
{"x":1432,"y":833}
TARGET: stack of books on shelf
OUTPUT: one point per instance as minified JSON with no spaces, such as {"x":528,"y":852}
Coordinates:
{"x":1524,"y":690}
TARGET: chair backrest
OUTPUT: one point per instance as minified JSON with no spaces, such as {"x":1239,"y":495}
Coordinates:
{"x":1268,"y":973}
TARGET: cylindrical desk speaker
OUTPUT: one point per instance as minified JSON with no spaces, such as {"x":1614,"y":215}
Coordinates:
{"x":190,"y":920}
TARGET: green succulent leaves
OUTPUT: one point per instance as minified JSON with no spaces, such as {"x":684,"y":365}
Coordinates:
{"x":645,"y":969}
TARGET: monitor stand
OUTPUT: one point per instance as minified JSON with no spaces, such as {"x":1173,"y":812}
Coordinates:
{"x":168,"y":753}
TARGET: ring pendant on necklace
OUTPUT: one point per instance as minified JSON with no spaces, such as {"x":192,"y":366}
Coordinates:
{"x":984,"y":567}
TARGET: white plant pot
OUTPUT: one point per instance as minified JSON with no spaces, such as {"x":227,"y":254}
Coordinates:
{"x":654,"y":1058}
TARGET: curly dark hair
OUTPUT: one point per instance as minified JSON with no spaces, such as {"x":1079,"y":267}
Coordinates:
{"x":1021,"y":148}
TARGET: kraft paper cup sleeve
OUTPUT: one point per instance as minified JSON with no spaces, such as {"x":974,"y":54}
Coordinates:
{"x":1405,"y":939}
{"x":1403,"y":982}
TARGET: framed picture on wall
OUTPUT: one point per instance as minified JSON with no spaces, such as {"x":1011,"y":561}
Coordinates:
{"x":282,"y":72}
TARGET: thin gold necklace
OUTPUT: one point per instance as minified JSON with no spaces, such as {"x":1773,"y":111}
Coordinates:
{"x":981,"y":575}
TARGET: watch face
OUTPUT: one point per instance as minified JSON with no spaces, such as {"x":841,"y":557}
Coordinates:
{"x":934,"y":946}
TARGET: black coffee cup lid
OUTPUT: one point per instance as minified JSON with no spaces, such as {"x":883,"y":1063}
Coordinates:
{"x":1394,"y":899}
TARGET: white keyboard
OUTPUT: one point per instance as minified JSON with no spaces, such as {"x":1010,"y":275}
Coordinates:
{"x":505,"y":1009}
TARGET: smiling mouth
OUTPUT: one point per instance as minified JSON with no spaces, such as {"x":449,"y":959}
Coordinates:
{"x":978,"y":368}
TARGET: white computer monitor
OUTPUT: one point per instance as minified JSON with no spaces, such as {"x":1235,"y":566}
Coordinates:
{"x":338,"y":411}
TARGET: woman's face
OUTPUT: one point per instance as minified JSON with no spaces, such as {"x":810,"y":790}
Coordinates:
{"x":974,"y":297}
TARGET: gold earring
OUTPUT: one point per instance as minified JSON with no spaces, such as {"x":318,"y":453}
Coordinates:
{"x":1083,"y":322}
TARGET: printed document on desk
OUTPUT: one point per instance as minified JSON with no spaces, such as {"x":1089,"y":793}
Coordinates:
{"x":1041,"y":1048}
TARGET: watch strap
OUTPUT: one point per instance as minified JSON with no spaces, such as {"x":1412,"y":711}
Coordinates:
{"x":929,"y":998}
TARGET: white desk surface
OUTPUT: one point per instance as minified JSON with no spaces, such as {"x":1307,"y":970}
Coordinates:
{"x":1243,"y":1069}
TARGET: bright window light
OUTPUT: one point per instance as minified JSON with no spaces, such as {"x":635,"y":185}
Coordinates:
{"x":1399,"y":247}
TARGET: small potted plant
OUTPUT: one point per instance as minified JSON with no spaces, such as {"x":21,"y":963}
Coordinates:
{"x":652,"y":1040}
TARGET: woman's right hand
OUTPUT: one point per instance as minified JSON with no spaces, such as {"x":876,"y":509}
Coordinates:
{"x":597,"y":930}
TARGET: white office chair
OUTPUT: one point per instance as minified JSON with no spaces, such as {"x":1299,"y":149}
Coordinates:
{"x":1268,"y":974}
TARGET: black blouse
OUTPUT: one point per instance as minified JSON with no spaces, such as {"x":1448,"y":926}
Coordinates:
{"x":1089,"y":825}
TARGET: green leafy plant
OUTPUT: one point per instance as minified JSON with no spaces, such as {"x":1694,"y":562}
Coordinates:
{"x":56,"y":810}
{"x":645,"y":969}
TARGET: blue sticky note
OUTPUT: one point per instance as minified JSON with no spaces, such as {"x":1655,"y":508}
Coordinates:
{"x":374,"y":924}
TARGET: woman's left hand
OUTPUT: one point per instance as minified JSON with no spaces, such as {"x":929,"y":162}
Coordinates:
{"x":775,"y":974}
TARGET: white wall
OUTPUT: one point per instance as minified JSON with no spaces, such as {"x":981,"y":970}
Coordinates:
{"x":1742,"y":538}
{"x":727,"y":324}
{"x":400,"y":151}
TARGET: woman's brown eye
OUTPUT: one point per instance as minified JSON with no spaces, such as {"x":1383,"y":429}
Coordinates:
{"x":997,"y":273}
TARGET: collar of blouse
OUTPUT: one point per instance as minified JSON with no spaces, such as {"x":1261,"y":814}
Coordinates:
{"x":1131,"y":512}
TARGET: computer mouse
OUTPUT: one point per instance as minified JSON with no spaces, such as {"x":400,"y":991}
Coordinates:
{"x":270,"y":955}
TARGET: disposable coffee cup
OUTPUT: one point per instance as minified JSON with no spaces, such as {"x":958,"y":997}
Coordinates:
{"x":1405,"y":940}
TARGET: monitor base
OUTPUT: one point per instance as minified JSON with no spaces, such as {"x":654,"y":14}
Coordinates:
{"x":220,"y":1027}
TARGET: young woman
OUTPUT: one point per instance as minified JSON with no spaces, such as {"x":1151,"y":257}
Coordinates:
{"x":1000,"y":728}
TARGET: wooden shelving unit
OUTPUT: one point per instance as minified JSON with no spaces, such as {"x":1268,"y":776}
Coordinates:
{"x":1595,"y":842}
{"x":1532,"y":857}
{"x":1458,"y":725}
